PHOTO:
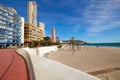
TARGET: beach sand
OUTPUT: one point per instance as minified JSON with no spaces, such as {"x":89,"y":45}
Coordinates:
{"x":101,"y":62}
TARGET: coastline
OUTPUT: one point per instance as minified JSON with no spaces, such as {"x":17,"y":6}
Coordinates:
{"x":103,"y":47}
{"x":90,"y":59}
{"x":103,"y":44}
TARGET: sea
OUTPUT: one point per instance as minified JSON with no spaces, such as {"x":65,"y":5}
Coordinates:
{"x":102,"y":44}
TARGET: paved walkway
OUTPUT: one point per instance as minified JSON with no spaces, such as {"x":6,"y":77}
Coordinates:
{"x":12,"y":66}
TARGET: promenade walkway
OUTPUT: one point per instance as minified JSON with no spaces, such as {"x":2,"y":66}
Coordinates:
{"x":12,"y":65}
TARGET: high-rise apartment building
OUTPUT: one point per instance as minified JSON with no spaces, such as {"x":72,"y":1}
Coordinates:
{"x":33,"y":32}
{"x":42,"y":28}
{"x":32,"y":13}
{"x":22,"y":30}
{"x":10,"y":27}
{"x":53,"y":35}
{"x":29,"y":32}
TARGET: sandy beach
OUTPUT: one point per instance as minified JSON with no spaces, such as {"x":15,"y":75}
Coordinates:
{"x":102,"y":62}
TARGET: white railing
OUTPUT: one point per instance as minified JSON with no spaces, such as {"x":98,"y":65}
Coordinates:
{"x":41,"y":51}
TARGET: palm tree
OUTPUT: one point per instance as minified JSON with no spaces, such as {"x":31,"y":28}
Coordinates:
{"x":46,"y":41}
{"x":72,"y":40}
{"x":72,"y":43}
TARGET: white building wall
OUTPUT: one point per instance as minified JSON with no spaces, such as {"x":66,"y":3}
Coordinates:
{"x":32,"y":12}
{"x":42,"y":26}
{"x":22,"y":30}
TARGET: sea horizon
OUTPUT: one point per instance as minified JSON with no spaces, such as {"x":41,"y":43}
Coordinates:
{"x":114,"y":44}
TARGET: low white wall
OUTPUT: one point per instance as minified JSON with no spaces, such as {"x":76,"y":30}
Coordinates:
{"x":45,"y":69}
{"x":41,"y":51}
{"x":24,"y":53}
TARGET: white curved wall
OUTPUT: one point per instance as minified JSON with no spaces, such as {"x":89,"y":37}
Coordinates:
{"x":45,"y":69}
{"x":41,"y":51}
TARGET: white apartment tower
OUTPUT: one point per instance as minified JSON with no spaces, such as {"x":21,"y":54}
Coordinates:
{"x":22,"y":30}
{"x":32,"y":13}
{"x":32,"y":31}
{"x":42,"y":26}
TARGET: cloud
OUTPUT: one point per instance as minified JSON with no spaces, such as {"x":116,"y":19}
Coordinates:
{"x":72,"y":22}
{"x":76,"y":27}
{"x":102,"y":15}
{"x":64,"y":11}
{"x":58,"y":3}
{"x":91,"y":34}
{"x":99,"y":15}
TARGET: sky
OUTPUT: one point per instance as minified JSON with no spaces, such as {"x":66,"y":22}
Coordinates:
{"x":94,"y":21}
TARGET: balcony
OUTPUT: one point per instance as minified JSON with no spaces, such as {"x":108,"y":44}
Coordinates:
{"x":2,"y":27}
{"x":4,"y":15}
{"x":1,"y":37}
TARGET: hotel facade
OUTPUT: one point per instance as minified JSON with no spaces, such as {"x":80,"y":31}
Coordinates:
{"x":33,"y":31}
{"x":11,"y":27}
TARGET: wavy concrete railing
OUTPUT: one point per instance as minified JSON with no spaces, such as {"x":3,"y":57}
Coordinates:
{"x":45,"y":69}
{"x":26,"y":56}
{"x":41,"y":51}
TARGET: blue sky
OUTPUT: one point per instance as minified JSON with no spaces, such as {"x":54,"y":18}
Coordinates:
{"x":88,"y":20}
